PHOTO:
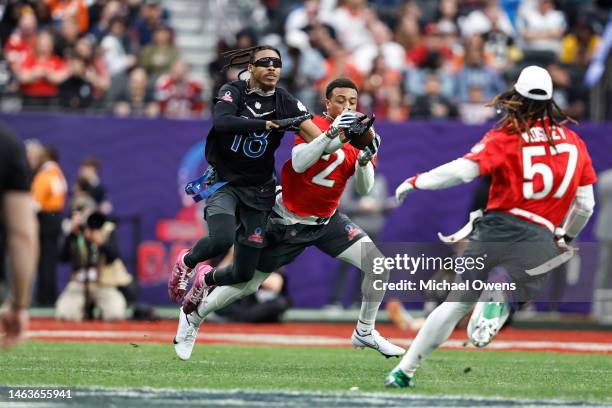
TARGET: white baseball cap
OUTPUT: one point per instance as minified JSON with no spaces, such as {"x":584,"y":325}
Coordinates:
{"x":534,"y":83}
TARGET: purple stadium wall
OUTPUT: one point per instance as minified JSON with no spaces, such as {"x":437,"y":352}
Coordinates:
{"x":141,"y":160}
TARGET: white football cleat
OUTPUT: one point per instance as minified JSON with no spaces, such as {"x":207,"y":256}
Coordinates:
{"x":486,"y":321}
{"x":377,"y":342}
{"x":185,"y":338}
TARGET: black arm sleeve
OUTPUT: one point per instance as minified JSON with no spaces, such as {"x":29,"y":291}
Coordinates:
{"x":225,"y":118}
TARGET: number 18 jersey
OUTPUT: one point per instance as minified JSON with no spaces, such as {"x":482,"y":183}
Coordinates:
{"x":317,"y":191}
{"x":530,"y":174}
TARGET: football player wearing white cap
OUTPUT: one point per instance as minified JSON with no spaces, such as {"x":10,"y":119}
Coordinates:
{"x":540,"y":198}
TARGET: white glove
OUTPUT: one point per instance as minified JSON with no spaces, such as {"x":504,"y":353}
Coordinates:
{"x":344,"y":120}
{"x":369,"y":152}
{"x":405,"y":188}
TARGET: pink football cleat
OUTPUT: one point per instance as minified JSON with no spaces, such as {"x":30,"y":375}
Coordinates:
{"x":179,"y":278}
{"x":198,"y":291}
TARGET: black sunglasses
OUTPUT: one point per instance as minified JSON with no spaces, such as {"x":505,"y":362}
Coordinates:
{"x":268,"y":62}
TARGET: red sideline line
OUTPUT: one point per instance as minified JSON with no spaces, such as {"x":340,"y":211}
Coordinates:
{"x":340,"y":330}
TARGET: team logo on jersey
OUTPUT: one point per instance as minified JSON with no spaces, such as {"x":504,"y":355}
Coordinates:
{"x":351,"y":231}
{"x":256,"y":236}
{"x":301,"y":107}
{"x":227,"y":97}
{"x":257,"y":105}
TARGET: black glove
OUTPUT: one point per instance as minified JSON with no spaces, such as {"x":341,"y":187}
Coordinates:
{"x":360,"y":127}
{"x":291,"y":123}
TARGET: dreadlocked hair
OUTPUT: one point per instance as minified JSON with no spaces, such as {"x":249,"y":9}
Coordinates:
{"x":244,"y":56}
{"x":521,"y":113}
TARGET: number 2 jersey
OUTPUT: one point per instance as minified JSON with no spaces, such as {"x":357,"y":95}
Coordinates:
{"x":529,"y":176}
{"x":246,"y":158}
{"x":317,"y":191}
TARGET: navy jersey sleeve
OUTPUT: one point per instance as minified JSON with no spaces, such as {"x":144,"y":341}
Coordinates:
{"x":293,"y":106}
{"x":225,"y":113}
{"x":14,"y":170}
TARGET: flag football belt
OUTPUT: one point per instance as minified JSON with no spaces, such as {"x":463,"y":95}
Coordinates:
{"x":204,"y":186}
{"x":547,"y":266}
{"x":466,"y":230}
{"x":282,"y":215}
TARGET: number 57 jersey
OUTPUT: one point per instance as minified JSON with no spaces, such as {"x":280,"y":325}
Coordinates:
{"x":529,"y":176}
{"x":317,"y":191}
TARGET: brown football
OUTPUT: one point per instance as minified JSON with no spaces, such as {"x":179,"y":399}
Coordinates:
{"x":361,"y":142}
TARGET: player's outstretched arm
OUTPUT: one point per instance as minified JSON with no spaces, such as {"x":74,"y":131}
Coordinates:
{"x":447,"y":175}
{"x":22,"y":243}
{"x":580,"y":212}
{"x":226,"y":118}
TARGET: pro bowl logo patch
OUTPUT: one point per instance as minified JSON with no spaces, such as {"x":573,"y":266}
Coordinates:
{"x":227,"y":97}
{"x":351,"y":231}
{"x":256,"y":236}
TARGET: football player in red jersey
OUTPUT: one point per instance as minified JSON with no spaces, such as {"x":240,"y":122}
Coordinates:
{"x":305,"y":214}
{"x":541,"y":175}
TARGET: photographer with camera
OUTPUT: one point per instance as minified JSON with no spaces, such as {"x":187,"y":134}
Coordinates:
{"x":97,"y":271}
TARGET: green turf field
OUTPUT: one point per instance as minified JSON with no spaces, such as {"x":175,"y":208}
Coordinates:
{"x":543,"y":376}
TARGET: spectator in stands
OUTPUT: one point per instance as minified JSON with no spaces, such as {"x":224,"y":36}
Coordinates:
{"x":70,"y":9}
{"x":381,"y":92}
{"x":447,"y":13}
{"x":476,"y":74}
{"x":90,"y":184}
{"x":23,"y":40}
{"x":157,"y":57}
{"x":432,"y":104}
{"x":116,"y":57}
{"x":49,"y":191}
{"x":408,"y":34}
{"x":66,"y":38}
{"x":481,"y":21}
{"x":474,"y":111}
{"x":150,"y":18}
{"x":570,"y":93}
{"x":101,"y":27}
{"x":178,"y":93}
{"x":89,"y":80}
{"x":352,"y":21}
{"x":338,"y":65}
{"x":8,"y":83}
{"x":542,"y":27}
{"x":578,"y":46}
{"x":415,"y":78}
{"x":92,"y":251}
{"x":500,"y":49}
{"x":309,"y":12}
{"x":137,"y":99}
{"x":393,"y":53}
{"x":41,"y":72}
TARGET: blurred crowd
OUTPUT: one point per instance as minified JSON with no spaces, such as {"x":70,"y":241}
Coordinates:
{"x":94,"y":55}
{"x":421,"y":59}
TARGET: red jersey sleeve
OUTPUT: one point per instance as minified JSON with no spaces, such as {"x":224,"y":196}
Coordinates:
{"x":588,"y":176}
{"x":489,"y":152}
